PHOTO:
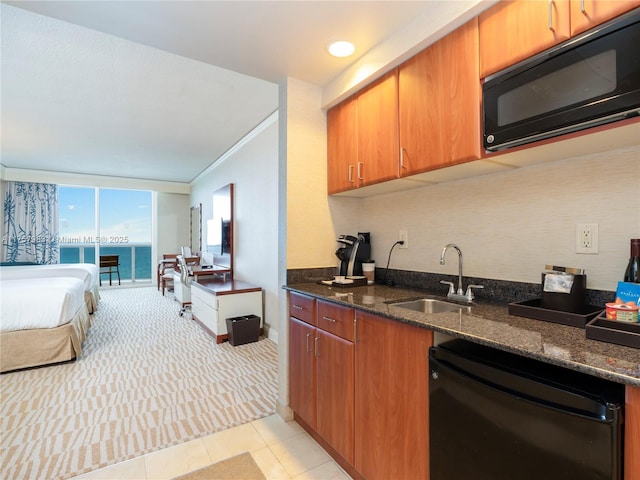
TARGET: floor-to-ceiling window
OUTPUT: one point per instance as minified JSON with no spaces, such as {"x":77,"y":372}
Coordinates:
{"x":101,"y":221}
{"x":77,"y":218}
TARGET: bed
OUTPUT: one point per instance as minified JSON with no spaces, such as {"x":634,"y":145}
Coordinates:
{"x":42,"y":321}
{"x":87,"y":272}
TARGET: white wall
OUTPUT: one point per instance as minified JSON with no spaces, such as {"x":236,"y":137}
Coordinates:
{"x":253,"y":169}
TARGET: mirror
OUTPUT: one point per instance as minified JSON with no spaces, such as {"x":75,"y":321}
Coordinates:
{"x":196,"y":229}
{"x":220,"y":229}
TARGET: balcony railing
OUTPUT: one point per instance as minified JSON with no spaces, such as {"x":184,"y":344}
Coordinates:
{"x":136,"y":255}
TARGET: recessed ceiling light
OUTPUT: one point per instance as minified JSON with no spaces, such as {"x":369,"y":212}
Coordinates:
{"x":341,"y":48}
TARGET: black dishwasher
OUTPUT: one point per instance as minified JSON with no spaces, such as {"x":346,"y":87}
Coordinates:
{"x":498,"y":416}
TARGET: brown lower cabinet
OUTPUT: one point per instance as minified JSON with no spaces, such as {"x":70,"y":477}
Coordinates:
{"x":321,"y":375}
{"x":365,"y":398}
{"x":302,"y":371}
{"x":632,"y":434}
{"x":367,"y":401}
{"x":392,"y":398}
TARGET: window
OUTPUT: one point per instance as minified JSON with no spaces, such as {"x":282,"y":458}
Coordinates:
{"x":77,"y":221}
{"x":100,"y":221}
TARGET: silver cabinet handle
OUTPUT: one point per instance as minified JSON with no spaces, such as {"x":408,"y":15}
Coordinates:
{"x":359,"y":170}
{"x":582,"y":7}
{"x":298,"y":307}
{"x":402,"y":165}
{"x":308,"y":343}
{"x":351,"y":174}
{"x":551,"y":15}
{"x":329,"y":319}
{"x":317,"y":349}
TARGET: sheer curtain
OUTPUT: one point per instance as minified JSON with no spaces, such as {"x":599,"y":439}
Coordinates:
{"x":30,"y":232}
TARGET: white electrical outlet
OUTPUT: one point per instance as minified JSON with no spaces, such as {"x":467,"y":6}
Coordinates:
{"x":587,"y":238}
{"x":403,"y":237}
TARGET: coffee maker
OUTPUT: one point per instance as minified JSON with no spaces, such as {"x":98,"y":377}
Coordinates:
{"x":353,"y":252}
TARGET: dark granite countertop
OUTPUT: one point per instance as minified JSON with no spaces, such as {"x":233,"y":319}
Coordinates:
{"x":490,"y":324}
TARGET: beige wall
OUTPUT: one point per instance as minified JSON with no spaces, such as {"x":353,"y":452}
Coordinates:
{"x":509,"y":225}
{"x":313,"y":219}
{"x":172,"y":227}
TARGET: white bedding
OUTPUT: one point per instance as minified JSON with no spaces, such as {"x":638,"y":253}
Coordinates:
{"x":39,"y":302}
{"x":87,"y":272}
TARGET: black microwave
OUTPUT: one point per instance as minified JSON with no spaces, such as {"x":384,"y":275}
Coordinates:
{"x":589,"y":80}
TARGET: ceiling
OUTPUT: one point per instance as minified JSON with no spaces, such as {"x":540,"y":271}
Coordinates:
{"x":160,"y":90}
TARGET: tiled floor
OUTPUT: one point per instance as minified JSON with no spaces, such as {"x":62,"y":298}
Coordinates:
{"x":282,"y":450}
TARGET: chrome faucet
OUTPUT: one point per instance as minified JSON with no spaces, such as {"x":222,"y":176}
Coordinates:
{"x":457,"y":295}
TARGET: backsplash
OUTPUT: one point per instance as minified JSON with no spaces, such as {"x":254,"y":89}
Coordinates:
{"x":509,"y":225}
{"x":500,"y":291}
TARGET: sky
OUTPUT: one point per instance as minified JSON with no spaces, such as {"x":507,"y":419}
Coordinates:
{"x":125,"y":215}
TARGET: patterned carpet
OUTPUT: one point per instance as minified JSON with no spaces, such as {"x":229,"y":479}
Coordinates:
{"x":147,"y":379}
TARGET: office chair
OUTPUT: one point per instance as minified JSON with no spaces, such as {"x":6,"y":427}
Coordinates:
{"x":185,"y":278}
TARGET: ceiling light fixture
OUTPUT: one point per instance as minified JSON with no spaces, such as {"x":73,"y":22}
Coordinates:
{"x":341,"y":48}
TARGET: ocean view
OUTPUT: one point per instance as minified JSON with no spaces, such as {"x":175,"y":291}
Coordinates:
{"x":87,"y":254}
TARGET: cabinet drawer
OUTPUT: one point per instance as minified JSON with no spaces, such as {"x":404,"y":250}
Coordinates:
{"x":336,"y":319}
{"x":198,"y":295}
{"x":302,"y":307}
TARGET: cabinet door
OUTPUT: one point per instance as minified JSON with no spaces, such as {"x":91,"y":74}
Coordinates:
{"x":632,"y":434}
{"x":511,"y":31}
{"x":439,"y":103}
{"x":586,"y":14}
{"x":335,"y":392}
{"x":378,"y":131}
{"x":392,"y":398}
{"x":342,"y":146}
{"x":302,"y":374}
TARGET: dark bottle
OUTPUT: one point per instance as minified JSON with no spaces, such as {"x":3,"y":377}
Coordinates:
{"x":632,"y":273}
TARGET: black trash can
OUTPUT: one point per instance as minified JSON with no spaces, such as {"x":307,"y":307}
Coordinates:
{"x":244,"y":329}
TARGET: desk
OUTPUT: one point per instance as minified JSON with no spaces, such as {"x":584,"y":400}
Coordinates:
{"x":182,"y":293}
{"x":200,"y":271}
{"x":214,"y":300}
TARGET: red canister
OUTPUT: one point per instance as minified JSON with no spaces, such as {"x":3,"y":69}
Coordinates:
{"x":622,"y":312}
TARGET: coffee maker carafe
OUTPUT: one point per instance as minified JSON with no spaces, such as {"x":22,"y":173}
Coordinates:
{"x":354,"y":251}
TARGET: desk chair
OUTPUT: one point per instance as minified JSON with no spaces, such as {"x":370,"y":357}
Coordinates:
{"x":166,"y":269}
{"x":109,"y":264}
{"x":185,"y":278}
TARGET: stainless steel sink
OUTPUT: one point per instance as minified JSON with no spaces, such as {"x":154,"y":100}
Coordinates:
{"x":428,"y":305}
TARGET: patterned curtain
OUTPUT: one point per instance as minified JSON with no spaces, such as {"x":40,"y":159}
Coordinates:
{"x":30,"y":232}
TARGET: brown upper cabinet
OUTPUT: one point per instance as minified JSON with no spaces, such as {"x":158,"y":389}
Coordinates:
{"x":514,"y":30}
{"x":511,"y":31}
{"x":439,"y":104}
{"x":378,"y":131}
{"x":429,"y":106}
{"x":425,"y":114}
{"x":342,"y":146}
{"x":362,"y":137}
{"x":588,"y":13}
